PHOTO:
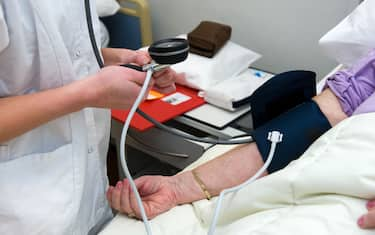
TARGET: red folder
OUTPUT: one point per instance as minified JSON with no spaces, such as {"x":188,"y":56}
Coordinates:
{"x":161,"y":110}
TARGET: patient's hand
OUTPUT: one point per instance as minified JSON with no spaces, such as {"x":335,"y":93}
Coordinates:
{"x":368,"y":220}
{"x":157,"y":193}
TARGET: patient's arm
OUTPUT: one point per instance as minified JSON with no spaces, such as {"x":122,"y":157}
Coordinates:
{"x":159,"y":193}
{"x":330,"y":106}
{"x":236,"y":166}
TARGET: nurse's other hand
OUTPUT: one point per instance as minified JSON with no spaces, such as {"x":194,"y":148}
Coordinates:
{"x":114,"y":87}
{"x":367,"y":221}
{"x":165,"y":80}
{"x":157,"y":194}
{"x":118,"y":56}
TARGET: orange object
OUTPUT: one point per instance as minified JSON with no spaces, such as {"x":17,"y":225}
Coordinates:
{"x":171,"y":105}
{"x":153,"y":95}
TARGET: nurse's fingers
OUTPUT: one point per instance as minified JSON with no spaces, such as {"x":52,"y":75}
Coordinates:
{"x":164,"y":77}
{"x":165,"y":80}
{"x":116,"y":196}
{"x":124,"y":201}
{"x":136,"y":76}
{"x":142,"y":57}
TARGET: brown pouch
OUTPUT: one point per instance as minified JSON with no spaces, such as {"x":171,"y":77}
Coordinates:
{"x":208,"y":37}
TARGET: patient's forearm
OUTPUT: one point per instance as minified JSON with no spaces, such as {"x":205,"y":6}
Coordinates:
{"x":236,"y":166}
{"x":330,"y":106}
{"x":228,"y":170}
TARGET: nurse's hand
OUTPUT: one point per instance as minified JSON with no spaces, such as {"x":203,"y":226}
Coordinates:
{"x":367,"y":221}
{"x":164,"y":79}
{"x":157,"y":194}
{"x":118,"y":56}
{"x":114,"y":87}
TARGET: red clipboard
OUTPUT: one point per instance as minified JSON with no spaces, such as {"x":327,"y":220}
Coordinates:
{"x":161,"y":110}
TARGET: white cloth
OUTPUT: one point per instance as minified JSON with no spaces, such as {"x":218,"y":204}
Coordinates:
{"x":202,"y":72}
{"x":104,"y":35}
{"x":353,"y":37}
{"x":324,"y":192}
{"x":52,"y":178}
{"x":107,"y":7}
{"x":4,"y":39}
{"x":238,"y":88}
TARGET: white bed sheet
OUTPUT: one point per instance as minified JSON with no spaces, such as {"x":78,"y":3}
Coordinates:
{"x":323,"y":192}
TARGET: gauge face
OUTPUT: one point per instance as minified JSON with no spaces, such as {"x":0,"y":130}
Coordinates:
{"x":169,"y":51}
{"x":169,"y":44}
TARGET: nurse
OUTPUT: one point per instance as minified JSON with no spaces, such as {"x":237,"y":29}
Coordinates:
{"x":55,"y":117}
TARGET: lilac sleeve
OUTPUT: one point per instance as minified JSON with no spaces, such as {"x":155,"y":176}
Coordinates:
{"x":354,"y":85}
{"x":368,"y":106}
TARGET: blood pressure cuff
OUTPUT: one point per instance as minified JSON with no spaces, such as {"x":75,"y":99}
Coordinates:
{"x":281,"y":93}
{"x":208,"y":37}
{"x":300,"y":127}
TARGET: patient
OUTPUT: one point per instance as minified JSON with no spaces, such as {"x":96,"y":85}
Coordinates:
{"x":348,"y":92}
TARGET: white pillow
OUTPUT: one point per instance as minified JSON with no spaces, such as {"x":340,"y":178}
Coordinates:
{"x":107,"y":7}
{"x":353,"y":37}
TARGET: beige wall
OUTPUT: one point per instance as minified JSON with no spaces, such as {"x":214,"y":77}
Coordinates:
{"x":285,"y":32}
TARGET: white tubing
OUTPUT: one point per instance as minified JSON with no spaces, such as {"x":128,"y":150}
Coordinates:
{"x":122,"y":150}
{"x":275,"y":137}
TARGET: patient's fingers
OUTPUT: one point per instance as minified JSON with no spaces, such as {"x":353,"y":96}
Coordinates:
{"x":134,"y":204}
{"x":371,"y":204}
{"x":116,"y":194}
{"x":124,"y":201}
{"x":368,"y":220}
{"x":109,"y":195}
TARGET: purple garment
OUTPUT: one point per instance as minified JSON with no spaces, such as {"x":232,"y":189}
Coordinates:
{"x":355,"y":86}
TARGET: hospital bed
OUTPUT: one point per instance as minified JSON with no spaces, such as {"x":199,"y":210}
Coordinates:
{"x":323,"y":192}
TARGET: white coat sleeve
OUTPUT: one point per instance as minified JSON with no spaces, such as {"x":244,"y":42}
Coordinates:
{"x":4,"y":35}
